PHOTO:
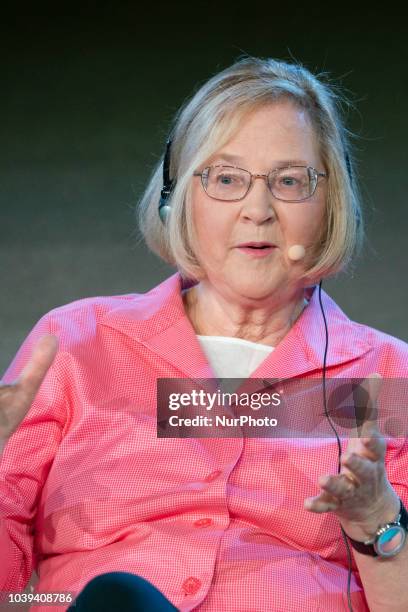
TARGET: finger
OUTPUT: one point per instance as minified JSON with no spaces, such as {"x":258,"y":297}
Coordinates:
{"x":362,"y":469}
{"x":340,"y":486}
{"x":365,"y":400}
{"x":375,"y":447}
{"x":321,"y":503}
{"x":41,"y":359}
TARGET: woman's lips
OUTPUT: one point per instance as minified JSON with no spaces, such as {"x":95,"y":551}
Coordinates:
{"x":254,"y":249}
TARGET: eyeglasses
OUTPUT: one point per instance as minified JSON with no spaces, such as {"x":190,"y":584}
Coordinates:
{"x":231,"y":184}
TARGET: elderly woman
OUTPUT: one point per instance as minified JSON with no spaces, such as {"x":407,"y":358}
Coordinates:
{"x":258,"y":205}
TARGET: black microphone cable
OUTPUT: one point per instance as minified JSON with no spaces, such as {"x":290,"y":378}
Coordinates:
{"x":343,"y":533}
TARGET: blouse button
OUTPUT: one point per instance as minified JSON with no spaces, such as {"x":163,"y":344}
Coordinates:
{"x":191,"y":585}
{"x":212,"y":476}
{"x":203,"y":522}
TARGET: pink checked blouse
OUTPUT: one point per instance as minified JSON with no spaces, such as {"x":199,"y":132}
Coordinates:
{"x":217,"y":524}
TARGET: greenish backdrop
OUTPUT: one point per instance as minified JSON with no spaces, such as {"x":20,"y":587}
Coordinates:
{"x":85,"y":106}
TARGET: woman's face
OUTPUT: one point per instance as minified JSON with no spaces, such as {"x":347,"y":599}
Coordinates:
{"x":273,"y":136}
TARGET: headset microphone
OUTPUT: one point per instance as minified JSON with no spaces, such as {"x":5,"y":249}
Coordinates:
{"x":296,"y":252}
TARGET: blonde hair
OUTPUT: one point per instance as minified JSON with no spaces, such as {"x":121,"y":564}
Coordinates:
{"x":209,"y":120}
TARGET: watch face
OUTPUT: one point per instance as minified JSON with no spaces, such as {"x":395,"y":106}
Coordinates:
{"x":390,"y":541}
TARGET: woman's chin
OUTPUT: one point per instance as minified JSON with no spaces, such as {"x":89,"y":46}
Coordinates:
{"x":251,"y":289}
{"x":239,"y":284}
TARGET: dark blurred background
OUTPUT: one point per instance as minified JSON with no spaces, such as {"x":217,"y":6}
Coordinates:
{"x":86,"y":102}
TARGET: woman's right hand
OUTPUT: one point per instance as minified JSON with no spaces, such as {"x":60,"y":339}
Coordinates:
{"x":16,"y":398}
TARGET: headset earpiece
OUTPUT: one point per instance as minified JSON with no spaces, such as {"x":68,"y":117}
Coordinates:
{"x":164,"y":211}
{"x":164,"y":208}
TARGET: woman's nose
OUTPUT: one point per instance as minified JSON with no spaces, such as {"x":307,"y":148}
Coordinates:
{"x":258,"y":203}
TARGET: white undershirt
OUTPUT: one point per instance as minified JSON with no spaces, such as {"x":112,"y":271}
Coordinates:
{"x":233,"y":357}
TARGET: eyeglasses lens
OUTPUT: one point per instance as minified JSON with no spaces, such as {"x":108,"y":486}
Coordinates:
{"x":292,"y":184}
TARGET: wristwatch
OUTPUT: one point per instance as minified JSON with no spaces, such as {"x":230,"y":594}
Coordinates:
{"x":378,"y":545}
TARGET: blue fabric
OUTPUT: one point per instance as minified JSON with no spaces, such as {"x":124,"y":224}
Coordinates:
{"x":120,"y":591}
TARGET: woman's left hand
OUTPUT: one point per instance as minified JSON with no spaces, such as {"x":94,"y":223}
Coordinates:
{"x":361,"y":495}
